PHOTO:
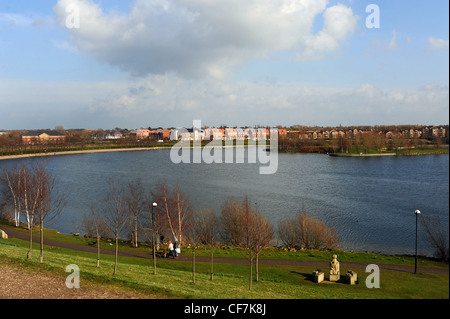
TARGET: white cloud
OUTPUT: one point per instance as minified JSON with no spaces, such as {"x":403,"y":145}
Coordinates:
{"x":339,"y":22}
{"x":172,"y":100}
{"x":436,"y":43}
{"x":198,"y":38}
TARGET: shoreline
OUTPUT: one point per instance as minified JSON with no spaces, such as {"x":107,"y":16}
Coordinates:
{"x":131,"y":149}
{"x":134,"y":149}
{"x":106,"y":150}
{"x":385,"y":154}
{"x":362,"y":155}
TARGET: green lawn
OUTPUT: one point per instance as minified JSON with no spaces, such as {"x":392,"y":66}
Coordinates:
{"x":406,"y":151}
{"x":238,"y":252}
{"x":174,"y":278}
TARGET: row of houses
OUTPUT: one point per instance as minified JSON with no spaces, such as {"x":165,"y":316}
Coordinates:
{"x":237,"y":133}
{"x":228,"y":133}
{"x":425,"y":132}
{"x":157,"y":134}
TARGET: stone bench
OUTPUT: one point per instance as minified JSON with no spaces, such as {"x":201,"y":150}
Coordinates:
{"x":318,"y":276}
{"x":351,"y":277}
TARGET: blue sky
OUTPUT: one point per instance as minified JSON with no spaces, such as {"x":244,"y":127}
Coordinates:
{"x":143,"y":63}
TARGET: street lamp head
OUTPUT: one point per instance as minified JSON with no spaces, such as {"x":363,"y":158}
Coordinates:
{"x":155,"y":204}
{"x":417,"y":212}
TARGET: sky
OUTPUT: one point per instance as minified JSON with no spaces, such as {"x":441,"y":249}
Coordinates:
{"x":165,"y":63}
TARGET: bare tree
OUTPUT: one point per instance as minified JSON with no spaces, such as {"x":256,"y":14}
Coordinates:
{"x":205,"y":225}
{"x":258,"y":233}
{"x":134,"y":201}
{"x":437,"y":236}
{"x":12,"y":178}
{"x":50,"y":203}
{"x":232,"y":229}
{"x":303,"y":231}
{"x":262,"y":235}
{"x":175,"y":208}
{"x":288,"y":233}
{"x":94,"y":225}
{"x":247,"y":216}
{"x":243,"y":225}
{"x":115,"y":213}
{"x":32,"y":182}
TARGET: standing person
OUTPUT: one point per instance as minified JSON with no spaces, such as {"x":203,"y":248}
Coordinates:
{"x":177,"y":248}
{"x":171,"y":249}
{"x":161,"y":238}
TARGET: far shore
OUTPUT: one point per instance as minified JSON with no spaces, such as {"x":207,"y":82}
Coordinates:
{"x":7,"y":157}
{"x":362,"y":155}
{"x":132,"y":149}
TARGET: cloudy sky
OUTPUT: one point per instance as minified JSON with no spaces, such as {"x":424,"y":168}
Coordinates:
{"x":139,"y":63}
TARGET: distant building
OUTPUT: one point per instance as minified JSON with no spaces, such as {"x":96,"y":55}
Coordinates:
{"x":43,"y":137}
{"x":114,"y":136}
{"x":175,"y":134}
{"x":192,"y":134}
{"x":141,"y":133}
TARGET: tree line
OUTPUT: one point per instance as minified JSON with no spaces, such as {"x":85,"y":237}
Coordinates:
{"x":360,"y":143}
{"x":30,"y":191}
{"x":128,"y":210}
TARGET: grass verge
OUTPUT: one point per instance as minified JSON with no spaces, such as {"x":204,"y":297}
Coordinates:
{"x":174,"y":278}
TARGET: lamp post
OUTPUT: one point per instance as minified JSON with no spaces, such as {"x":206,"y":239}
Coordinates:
{"x":417,"y":213}
{"x":154,"y":205}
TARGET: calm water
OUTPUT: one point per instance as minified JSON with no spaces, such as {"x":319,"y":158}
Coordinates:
{"x":369,"y":201}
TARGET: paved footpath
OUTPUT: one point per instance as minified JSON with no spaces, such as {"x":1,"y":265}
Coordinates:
{"x":12,"y":233}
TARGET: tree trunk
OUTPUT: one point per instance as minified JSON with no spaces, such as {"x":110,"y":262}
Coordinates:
{"x":116,"y":255}
{"x":135,"y":232}
{"x":41,"y":228}
{"x":98,"y":251}
{"x":251,"y":274}
{"x":256,"y":268}
{"x":212,"y":263}
{"x":193,"y":264}
{"x":31,"y":244}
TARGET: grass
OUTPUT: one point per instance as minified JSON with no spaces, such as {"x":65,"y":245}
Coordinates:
{"x":174,"y":278}
{"x":406,"y":151}
{"x":424,"y":150}
{"x":225,"y":251}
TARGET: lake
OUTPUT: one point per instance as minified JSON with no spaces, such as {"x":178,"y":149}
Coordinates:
{"x":370,"y":201}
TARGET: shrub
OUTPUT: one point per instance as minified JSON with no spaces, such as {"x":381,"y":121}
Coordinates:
{"x":303,"y":231}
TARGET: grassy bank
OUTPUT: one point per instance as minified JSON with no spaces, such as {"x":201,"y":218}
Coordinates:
{"x":174,"y":277}
{"x":226,"y":251}
{"x":406,"y":151}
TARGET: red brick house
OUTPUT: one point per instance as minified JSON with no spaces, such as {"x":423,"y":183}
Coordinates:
{"x":43,"y":137}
